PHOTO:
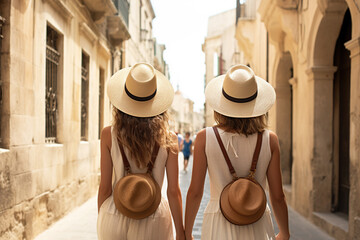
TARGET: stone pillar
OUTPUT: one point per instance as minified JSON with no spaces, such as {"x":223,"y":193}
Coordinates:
{"x":321,"y":162}
{"x":354,"y":207}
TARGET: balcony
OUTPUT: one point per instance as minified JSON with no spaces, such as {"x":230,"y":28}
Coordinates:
{"x":245,"y":10}
{"x":287,"y":4}
{"x":122,"y":7}
{"x":100,"y":8}
{"x":118,"y":24}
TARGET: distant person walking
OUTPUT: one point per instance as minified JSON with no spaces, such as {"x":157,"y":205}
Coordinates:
{"x":138,"y":148}
{"x":180,"y":139}
{"x":186,"y":149}
{"x":237,"y":146}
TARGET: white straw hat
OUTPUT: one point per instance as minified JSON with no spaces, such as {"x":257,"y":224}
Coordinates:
{"x":239,"y":93}
{"x":140,"y":91}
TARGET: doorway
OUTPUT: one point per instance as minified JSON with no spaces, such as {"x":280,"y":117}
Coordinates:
{"x":341,"y":123}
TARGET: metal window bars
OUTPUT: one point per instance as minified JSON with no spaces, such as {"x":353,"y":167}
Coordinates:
{"x":84,"y":95}
{"x":101,"y":101}
{"x":2,"y":21}
{"x":52,"y":63}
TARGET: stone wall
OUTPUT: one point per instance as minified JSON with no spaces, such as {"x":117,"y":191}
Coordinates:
{"x":40,"y":182}
{"x":304,"y":36}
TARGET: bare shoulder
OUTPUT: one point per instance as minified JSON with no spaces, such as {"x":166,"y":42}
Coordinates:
{"x":173,"y":135}
{"x":274,"y":141}
{"x":106,"y":135}
{"x":201,"y":137}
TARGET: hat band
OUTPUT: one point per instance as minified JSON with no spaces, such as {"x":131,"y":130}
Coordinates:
{"x":140,"y":99}
{"x":239,"y":100}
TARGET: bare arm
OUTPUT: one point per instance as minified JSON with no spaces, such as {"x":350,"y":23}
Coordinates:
{"x":191,"y":148}
{"x":105,"y":188}
{"x":196,"y":188}
{"x":181,"y":144}
{"x":173,"y":191}
{"x":277,"y":196}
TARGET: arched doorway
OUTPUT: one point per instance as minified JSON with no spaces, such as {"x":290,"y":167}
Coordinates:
{"x":341,"y":119}
{"x":284,"y":114}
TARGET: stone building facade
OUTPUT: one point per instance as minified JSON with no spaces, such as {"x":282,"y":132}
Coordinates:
{"x":56,"y":56}
{"x":312,"y":53}
{"x":140,"y":47}
{"x":220,"y":50}
{"x":183,"y":118}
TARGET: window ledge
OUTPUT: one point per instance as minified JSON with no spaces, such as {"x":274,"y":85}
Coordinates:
{"x":4,"y":150}
{"x":54,"y":144}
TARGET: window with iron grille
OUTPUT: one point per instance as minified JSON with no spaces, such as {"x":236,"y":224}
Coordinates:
{"x":2,"y":20}
{"x":52,"y":64}
{"x":84,"y":95}
{"x":101,"y":100}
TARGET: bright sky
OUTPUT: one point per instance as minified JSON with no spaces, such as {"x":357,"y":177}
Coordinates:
{"x":182,"y":27}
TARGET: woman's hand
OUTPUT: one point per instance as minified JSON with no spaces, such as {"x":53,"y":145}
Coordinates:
{"x":280,"y":236}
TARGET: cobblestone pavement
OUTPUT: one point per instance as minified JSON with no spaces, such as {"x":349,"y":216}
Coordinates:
{"x":80,"y":224}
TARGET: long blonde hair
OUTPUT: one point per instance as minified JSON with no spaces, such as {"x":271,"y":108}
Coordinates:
{"x":139,"y":135}
{"x":246,"y":126}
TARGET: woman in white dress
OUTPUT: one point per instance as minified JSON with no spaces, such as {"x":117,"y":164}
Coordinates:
{"x":140,"y":96}
{"x":240,"y":101}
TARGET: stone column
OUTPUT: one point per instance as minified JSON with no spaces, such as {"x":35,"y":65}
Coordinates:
{"x":354,"y":207}
{"x":321,"y":162}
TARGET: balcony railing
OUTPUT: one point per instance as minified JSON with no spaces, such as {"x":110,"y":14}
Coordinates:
{"x":123,"y":9}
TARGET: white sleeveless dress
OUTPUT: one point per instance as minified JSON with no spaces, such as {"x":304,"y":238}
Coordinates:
{"x":240,"y":150}
{"x":112,"y":225}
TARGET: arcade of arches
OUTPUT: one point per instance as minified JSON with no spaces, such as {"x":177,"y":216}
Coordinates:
{"x":316,"y":74}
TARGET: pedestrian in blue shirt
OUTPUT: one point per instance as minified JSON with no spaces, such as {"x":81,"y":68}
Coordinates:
{"x":186,"y":149}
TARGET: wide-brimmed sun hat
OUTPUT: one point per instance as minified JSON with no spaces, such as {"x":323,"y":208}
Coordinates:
{"x":137,"y":196}
{"x":239,"y":93}
{"x":140,"y":91}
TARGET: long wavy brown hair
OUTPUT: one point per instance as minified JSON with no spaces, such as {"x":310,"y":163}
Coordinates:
{"x":246,"y":126}
{"x":139,"y":135}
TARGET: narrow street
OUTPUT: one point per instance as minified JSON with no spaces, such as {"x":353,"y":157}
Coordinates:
{"x":80,"y":224}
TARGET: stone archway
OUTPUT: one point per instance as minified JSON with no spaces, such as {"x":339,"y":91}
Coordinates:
{"x":284,"y":113}
{"x":323,"y":36}
{"x":341,"y":129}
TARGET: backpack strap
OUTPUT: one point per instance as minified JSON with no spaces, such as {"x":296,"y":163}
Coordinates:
{"x":150,"y":164}
{"x":226,"y":156}
{"x":256,"y":155}
{"x":227,"y":159}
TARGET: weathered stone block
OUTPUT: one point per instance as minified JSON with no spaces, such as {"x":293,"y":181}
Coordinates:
{"x":22,"y":161}
{"x":29,"y":105}
{"x":6,"y":188}
{"x":83,"y":150}
{"x":53,"y":155}
{"x":21,"y":130}
{"x":24,"y":187}
{"x":55,"y":206}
